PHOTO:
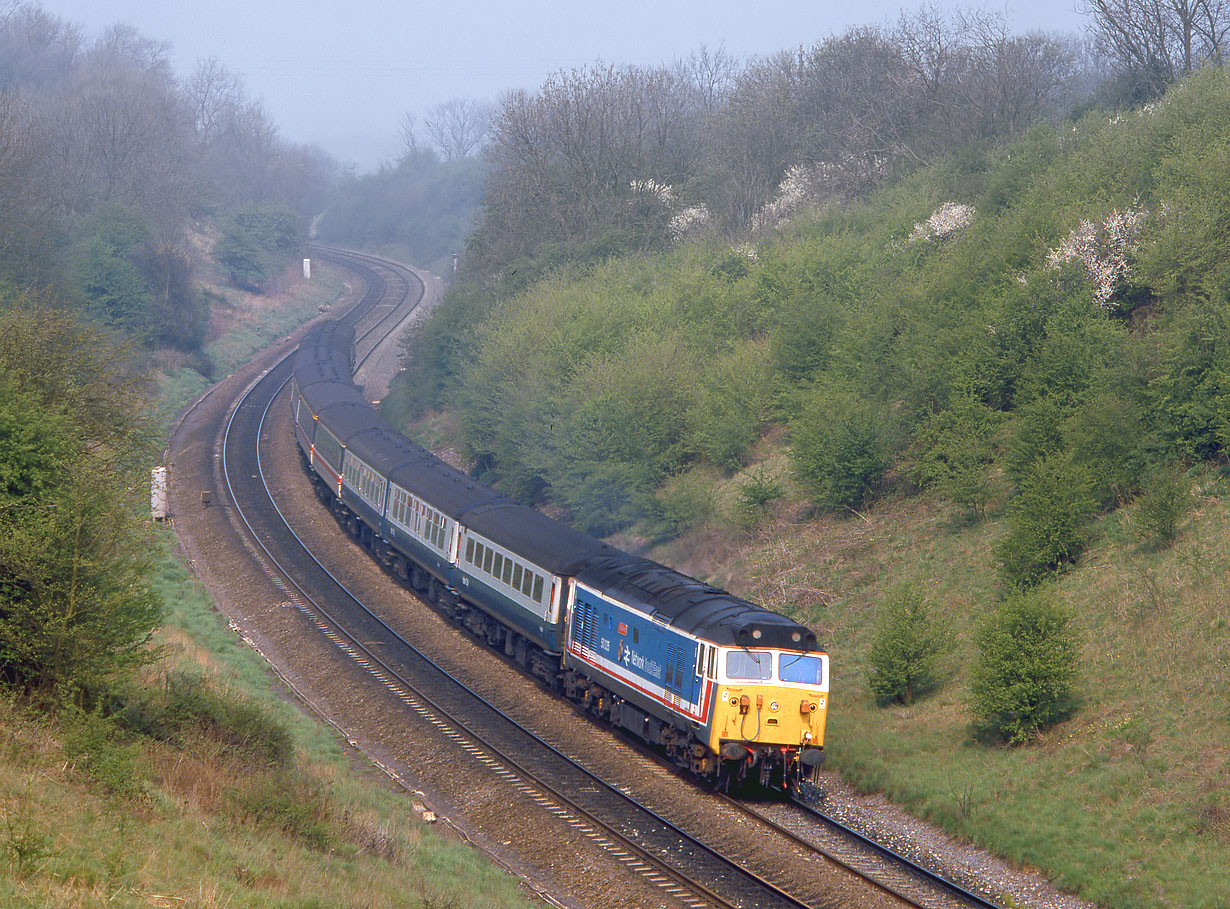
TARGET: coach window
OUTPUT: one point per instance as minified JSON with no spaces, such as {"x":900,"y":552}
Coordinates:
{"x":488,"y":555}
{"x":527,"y":582}
{"x":516,"y":577}
{"x":498,"y":567}
{"x":470,"y":551}
{"x":508,"y":571}
{"x":537,"y":589}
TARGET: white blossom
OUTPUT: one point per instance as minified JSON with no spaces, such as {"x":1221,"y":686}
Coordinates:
{"x":805,"y":184}
{"x":684,"y":221}
{"x":663,"y":192}
{"x":944,"y":222}
{"x":1103,"y":251}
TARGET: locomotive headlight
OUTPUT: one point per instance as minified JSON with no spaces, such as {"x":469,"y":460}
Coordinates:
{"x":773,"y":705}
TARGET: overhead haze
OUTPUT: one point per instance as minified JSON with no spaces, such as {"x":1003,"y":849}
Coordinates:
{"x":341,"y":75}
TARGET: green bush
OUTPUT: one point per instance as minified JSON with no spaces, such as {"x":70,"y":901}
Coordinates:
{"x":756,"y":494}
{"x":94,"y":743}
{"x":1165,"y":500}
{"x":186,"y":708}
{"x":838,"y":448}
{"x":287,"y":803}
{"x":1047,"y":521}
{"x":257,"y":241}
{"x":954,"y":450}
{"x":1023,"y":676}
{"x":907,"y":648}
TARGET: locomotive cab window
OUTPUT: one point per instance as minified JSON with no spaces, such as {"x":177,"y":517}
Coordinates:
{"x":745,"y":664}
{"x":802,"y":668}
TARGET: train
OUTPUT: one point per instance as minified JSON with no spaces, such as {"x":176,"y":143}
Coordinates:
{"x":728,"y":691}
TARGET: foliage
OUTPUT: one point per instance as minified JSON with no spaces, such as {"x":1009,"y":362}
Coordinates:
{"x":105,"y":271}
{"x":187,"y":709}
{"x":954,"y":450}
{"x":907,"y":648}
{"x":758,"y":491}
{"x":1047,"y":521}
{"x":257,"y":242}
{"x":1166,"y":498}
{"x":420,"y":206}
{"x":839,"y":448}
{"x":1024,"y":674}
{"x":76,"y":609}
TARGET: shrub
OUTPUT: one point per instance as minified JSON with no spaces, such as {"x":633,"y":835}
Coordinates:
{"x":287,"y":803}
{"x":838,"y":448}
{"x":954,"y":450}
{"x":257,"y":240}
{"x":1023,"y":675}
{"x":187,"y":709}
{"x":907,"y":647}
{"x":755,"y":494}
{"x":1162,"y":506}
{"x":1046,"y":521}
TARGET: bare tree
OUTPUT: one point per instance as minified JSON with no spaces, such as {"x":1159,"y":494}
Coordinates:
{"x":215,"y":95}
{"x":459,"y":126}
{"x":1154,"y":42}
{"x":712,"y":72}
{"x":26,"y":206}
{"x":36,"y":49}
{"x":409,"y":134}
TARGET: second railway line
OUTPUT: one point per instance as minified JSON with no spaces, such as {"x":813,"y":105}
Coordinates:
{"x":508,"y":686}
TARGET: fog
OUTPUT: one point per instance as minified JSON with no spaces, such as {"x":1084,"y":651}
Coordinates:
{"x":341,"y":74}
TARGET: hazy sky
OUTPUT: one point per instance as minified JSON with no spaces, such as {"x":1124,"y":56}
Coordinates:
{"x":340,"y":74}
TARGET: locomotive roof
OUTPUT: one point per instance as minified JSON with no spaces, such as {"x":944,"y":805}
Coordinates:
{"x":692,"y":606}
{"x":546,"y":542}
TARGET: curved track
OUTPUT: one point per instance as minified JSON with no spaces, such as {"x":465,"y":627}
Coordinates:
{"x":672,"y":859}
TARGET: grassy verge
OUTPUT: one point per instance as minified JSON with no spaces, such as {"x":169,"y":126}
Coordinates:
{"x":1126,"y":803}
{"x":211,"y":791}
{"x":205,"y":787}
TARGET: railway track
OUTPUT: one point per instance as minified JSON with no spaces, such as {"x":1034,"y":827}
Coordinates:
{"x":677,"y":862}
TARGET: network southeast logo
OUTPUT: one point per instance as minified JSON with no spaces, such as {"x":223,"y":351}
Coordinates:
{"x":630,"y":657}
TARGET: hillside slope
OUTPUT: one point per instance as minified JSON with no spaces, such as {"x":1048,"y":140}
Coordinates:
{"x":989,"y":378}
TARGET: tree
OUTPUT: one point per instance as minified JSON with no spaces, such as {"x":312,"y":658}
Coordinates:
{"x":76,"y":607}
{"x":1047,"y":520}
{"x":954,"y":450}
{"x":257,"y":242}
{"x":458,"y":126}
{"x":838,"y":448}
{"x":905,"y":653}
{"x":1025,"y":671}
{"x":1155,"y":42}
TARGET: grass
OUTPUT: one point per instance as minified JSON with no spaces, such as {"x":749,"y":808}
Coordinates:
{"x":1128,"y":802}
{"x":213,"y":791}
